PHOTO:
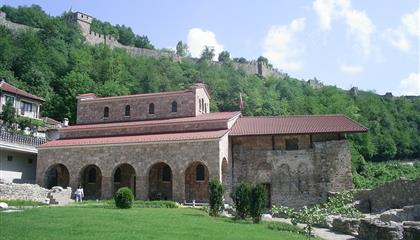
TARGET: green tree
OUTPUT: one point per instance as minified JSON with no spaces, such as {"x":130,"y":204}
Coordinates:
{"x":8,"y":114}
{"x":263,"y":60}
{"x":182,"y":49}
{"x":143,"y":42}
{"x":241,"y":199}
{"x":216,"y":191}
{"x":224,"y":56}
{"x":208,"y":53}
{"x":257,"y":202}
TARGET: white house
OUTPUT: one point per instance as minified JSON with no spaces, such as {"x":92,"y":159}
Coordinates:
{"x":18,"y":153}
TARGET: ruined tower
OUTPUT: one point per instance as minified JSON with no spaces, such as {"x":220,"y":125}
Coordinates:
{"x":82,"y":20}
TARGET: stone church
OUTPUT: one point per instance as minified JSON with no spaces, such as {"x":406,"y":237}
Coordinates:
{"x":168,"y":145}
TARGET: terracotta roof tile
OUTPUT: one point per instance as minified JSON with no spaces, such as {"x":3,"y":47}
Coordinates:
{"x":136,"y":139}
{"x":200,"y":118}
{"x":295,"y":125}
{"x":11,"y":89}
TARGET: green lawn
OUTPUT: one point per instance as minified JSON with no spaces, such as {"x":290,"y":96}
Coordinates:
{"x":137,"y":223}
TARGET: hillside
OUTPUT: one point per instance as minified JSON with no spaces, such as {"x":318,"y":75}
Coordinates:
{"x":57,"y":65}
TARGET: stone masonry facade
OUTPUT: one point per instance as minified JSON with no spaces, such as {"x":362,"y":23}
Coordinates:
{"x":293,"y":177}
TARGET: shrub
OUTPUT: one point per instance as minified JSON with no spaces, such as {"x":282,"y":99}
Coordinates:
{"x":216,"y":192}
{"x":155,"y":204}
{"x":240,"y":197}
{"x":124,"y":198}
{"x":308,"y":216}
{"x":341,"y":204}
{"x":257,"y":202}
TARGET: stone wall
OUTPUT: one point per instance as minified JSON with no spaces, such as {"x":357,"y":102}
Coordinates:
{"x":13,"y":26}
{"x":296,"y":177}
{"x":178,"y":155}
{"x":90,"y":109}
{"x":395,"y":194}
{"x":23,"y":191}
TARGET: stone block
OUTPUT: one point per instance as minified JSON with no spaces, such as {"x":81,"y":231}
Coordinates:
{"x":372,"y":229}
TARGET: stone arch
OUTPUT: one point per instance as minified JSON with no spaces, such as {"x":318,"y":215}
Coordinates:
{"x":284,"y":179}
{"x":57,"y":175}
{"x":196,"y":186}
{"x":302,"y":178}
{"x":160,"y":181}
{"x":124,"y":175}
{"x":91,"y":181}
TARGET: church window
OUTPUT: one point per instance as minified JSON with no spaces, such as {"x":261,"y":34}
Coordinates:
{"x":174,"y":106}
{"x":199,"y":172}
{"x":106,"y":112}
{"x":127,"y":110}
{"x":151,"y":108}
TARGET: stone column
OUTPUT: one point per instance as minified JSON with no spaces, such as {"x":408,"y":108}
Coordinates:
{"x":178,"y":187}
{"x":142,"y":183}
{"x":106,"y":187}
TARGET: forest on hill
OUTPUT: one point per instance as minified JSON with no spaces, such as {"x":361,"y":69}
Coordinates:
{"x":56,"y":64}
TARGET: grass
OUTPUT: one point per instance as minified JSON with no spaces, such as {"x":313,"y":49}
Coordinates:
{"x":21,"y":203}
{"x":137,"y":223}
{"x":109,"y":203}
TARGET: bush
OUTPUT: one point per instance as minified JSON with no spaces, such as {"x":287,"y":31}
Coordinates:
{"x":155,"y":204}
{"x":257,"y":202}
{"x":124,"y":198}
{"x":240,"y":197}
{"x":216,"y":192}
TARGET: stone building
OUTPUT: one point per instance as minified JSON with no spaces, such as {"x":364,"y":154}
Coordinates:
{"x":168,"y":145}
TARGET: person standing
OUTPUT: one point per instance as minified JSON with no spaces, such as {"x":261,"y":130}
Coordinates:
{"x":79,"y":194}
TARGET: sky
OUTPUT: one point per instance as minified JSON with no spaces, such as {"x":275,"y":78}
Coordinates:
{"x":373,"y":45}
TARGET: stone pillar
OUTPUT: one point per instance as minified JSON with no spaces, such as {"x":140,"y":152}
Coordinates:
{"x":106,"y":187}
{"x":142,"y":183}
{"x":178,"y":187}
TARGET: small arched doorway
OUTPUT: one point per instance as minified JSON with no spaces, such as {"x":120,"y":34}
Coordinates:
{"x":196,"y":182}
{"x":124,"y":176}
{"x":160,"y":182}
{"x":91,"y":181}
{"x":57,"y":175}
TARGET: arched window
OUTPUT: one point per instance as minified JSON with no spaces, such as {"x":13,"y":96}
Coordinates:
{"x":127,"y":110}
{"x":199,"y":172}
{"x":174,"y":106}
{"x":151,"y":108}
{"x":199,"y":104}
{"x":117,"y":175}
{"x":106,"y":112}
{"x":92,"y":175}
{"x":166,"y":174}
{"x":205,"y":108}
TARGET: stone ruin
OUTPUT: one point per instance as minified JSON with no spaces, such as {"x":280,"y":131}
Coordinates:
{"x":392,"y":212}
{"x":33,"y":192}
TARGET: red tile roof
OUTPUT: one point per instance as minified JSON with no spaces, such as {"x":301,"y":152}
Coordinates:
{"x":4,"y":86}
{"x":136,"y":139}
{"x":223,"y":116}
{"x":247,"y":126}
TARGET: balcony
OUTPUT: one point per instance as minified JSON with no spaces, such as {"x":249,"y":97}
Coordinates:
{"x":9,"y":137}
